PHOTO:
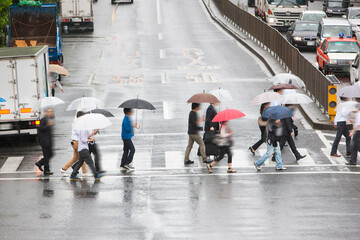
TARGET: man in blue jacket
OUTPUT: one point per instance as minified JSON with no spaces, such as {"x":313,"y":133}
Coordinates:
{"x":126,"y":134}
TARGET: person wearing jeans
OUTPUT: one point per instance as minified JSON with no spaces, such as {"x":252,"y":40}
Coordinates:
{"x":126,"y":134}
{"x":274,"y":132}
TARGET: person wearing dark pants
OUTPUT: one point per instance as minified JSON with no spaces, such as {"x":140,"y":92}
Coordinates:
{"x":224,"y":143}
{"x":93,"y":149}
{"x":287,"y":136}
{"x":126,"y":134}
{"x":262,"y":125}
{"x":45,"y":140}
{"x":341,"y":130}
{"x":355,"y":134}
{"x":84,"y":156}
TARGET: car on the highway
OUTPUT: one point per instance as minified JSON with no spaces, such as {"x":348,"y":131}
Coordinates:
{"x":303,"y":34}
{"x":336,"y":54}
{"x":355,"y":70}
{"x":336,"y":8}
{"x":332,"y":27}
{"x":312,"y":15}
{"x":353,"y":15}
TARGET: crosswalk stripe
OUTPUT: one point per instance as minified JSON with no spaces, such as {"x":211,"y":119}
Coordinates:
{"x":329,"y":134}
{"x":307,"y":161}
{"x":341,"y":143}
{"x":174,"y":159}
{"x":242,"y":158}
{"x":323,"y":138}
{"x":11,"y":164}
{"x":334,"y":160}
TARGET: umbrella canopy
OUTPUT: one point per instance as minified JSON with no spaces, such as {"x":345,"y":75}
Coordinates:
{"x":101,"y":111}
{"x":277,"y":112}
{"x":265,"y":97}
{"x":287,"y":78}
{"x":227,"y":115}
{"x":137,"y":104}
{"x":283,"y":86}
{"x":348,"y":106}
{"x":203,"y":98}
{"x":47,"y":102}
{"x":2,"y":100}
{"x":84,"y":103}
{"x":59,"y":69}
{"x":91,"y":121}
{"x":296,"y":98}
{"x":349,"y":92}
{"x":222,"y":94}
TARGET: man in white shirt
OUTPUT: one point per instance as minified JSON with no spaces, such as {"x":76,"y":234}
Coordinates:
{"x":355,"y":133}
{"x":84,"y":156}
{"x":340,"y":125}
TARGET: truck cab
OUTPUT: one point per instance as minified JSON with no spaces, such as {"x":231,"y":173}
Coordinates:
{"x":280,"y":13}
{"x":32,"y":26}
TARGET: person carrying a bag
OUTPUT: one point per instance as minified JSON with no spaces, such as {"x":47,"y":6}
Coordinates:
{"x":224,"y":142}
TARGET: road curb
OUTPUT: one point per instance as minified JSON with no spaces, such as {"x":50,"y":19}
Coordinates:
{"x":319,"y":124}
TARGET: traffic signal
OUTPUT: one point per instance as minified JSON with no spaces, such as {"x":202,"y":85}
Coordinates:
{"x":332,"y":101}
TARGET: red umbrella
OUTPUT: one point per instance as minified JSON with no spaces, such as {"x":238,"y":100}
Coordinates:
{"x":227,"y":115}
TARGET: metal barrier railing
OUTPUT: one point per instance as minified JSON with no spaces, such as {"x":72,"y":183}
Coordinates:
{"x":290,"y":57}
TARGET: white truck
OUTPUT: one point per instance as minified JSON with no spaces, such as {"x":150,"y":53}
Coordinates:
{"x":23,"y":81}
{"x":76,"y":15}
{"x":280,"y":14}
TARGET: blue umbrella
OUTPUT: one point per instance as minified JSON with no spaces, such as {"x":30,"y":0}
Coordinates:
{"x":277,"y":112}
{"x":2,"y":100}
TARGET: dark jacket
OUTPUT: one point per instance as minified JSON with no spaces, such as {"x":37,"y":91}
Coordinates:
{"x":274,"y":133}
{"x":210,"y":114}
{"x":288,"y":126}
{"x":45,"y":133}
{"x":193,"y":127}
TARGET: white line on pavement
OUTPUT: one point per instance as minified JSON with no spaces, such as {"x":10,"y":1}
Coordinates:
{"x":163,"y":77}
{"x":158,"y":12}
{"x":11,"y":164}
{"x":91,"y":78}
{"x":323,"y":139}
{"x":161,"y":36}
{"x":307,"y":161}
{"x":333,"y":160}
{"x":329,"y":134}
{"x":166,"y":110}
{"x":162,"y":53}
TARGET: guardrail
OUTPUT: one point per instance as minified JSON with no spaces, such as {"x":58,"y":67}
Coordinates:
{"x":273,"y":41}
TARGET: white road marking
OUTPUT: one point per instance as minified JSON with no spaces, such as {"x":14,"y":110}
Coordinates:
{"x":323,"y":139}
{"x":162,"y":53}
{"x":158,"y":12}
{"x":161,"y":36}
{"x":329,"y":134}
{"x":334,"y":160}
{"x":242,"y":158}
{"x":11,"y":164}
{"x":163,"y":77}
{"x":307,"y":161}
{"x":341,"y":143}
{"x":174,"y":160}
{"x":142,"y":160}
{"x":166,"y":110}
{"x":91,"y":78}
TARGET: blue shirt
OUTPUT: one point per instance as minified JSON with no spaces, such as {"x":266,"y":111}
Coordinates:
{"x":127,"y":129}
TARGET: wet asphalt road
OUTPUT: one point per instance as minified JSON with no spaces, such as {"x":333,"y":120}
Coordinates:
{"x":166,"y":51}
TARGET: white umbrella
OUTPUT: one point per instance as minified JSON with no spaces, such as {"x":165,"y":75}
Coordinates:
{"x":287,"y":78}
{"x":296,"y":98}
{"x":265,"y":97}
{"x":222,"y":94}
{"x":85,"y":104}
{"x":47,"y":102}
{"x":348,"y":106}
{"x":91,"y":121}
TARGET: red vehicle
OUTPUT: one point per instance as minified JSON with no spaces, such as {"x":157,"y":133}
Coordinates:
{"x":336,"y":54}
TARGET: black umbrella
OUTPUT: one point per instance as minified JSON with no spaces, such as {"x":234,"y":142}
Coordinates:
{"x":102,"y":111}
{"x":137,"y":104}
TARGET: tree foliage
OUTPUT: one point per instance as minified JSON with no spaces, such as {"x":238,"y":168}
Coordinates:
{"x":4,"y":8}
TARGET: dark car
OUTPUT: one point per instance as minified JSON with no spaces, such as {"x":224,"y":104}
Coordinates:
{"x":251,"y":3}
{"x":336,"y":8}
{"x":303,"y":34}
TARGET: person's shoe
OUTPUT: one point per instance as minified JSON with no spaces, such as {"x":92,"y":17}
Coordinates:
{"x":350,"y":164}
{"x":252,"y":150}
{"x":127,"y":168}
{"x":209,"y":168}
{"x":257,"y":167}
{"x":300,"y":157}
{"x":335,"y":155}
{"x":88,"y":175}
{"x":48,"y":173}
{"x":230,"y":170}
{"x":123,"y":169}
{"x":207,"y":161}
{"x":101,"y":171}
{"x":39,"y":166}
{"x":348,"y":154}
{"x":130,"y":167}
{"x":99,"y":176}
{"x":74,"y":178}
{"x":189,"y":162}
{"x":280,"y":169}
{"x":62,"y":171}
